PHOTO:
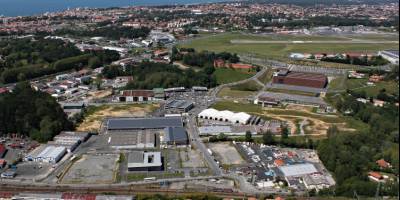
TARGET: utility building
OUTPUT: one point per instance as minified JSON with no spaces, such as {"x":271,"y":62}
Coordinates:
{"x":145,"y":161}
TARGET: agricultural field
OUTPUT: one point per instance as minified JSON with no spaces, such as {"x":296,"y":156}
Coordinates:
{"x":280,"y":51}
{"x":95,"y":115}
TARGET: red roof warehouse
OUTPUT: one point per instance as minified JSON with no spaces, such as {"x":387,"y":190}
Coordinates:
{"x":300,"y":79}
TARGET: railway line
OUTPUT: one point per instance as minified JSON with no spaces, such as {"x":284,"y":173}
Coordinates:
{"x":225,"y":193}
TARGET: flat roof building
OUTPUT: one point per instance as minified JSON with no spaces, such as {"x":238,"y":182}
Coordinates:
{"x":274,"y":98}
{"x":298,"y":169}
{"x":145,"y":161}
{"x":143,"y":123}
{"x":179,"y":106}
{"x":300,"y":79}
{"x":138,"y":140}
{"x":175,"y":136}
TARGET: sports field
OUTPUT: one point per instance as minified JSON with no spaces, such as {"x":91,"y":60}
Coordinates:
{"x":280,"y":46}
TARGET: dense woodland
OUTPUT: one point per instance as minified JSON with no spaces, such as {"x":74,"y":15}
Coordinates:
{"x":201,"y":59}
{"x":149,"y":75}
{"x":24,"y":59}
{"x":31,"y":113}
{"x":110,"y":32}
{"x":351,"y":155}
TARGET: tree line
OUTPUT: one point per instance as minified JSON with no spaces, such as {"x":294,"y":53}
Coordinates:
{"x":31,"y":113}
{"x":149,"y":75}
{"x":110,"y":32}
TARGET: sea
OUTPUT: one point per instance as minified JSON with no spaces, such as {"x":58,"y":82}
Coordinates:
{"x":14,"y":8}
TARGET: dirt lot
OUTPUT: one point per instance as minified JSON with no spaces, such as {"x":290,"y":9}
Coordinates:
{"x":92,"y":169}
{"x":316,"y":124}
{"x":191,"y":158}
{"x":226,"y":153}
{"x":99,"y":94}
{"x":95,"y":115}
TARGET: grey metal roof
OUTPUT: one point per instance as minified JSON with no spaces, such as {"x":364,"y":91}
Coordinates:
{"x":175,"y":134}
{"x":298,"y":169}
{"x":144,"y":123}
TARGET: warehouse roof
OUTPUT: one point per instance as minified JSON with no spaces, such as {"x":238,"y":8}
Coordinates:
{"x":298,"y":169}
{"x":144,"y":123}
{"x":307,"y":76}
{"x":175,"y":134}
{"x":52,"y":152}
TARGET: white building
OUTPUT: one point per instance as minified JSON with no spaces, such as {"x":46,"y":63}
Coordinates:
{"x":226,"y":116}
{"x":390,"y":55}
{"x":51,"y":154}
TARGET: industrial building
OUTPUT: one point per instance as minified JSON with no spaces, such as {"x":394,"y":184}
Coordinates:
{"x":115,"y":124}
{"x":145,"y":161}
{"x":390,"y":55}
{"x":135,"y":96}
{"x":274,"y":99}
{"x":297,"y":170}
{"x":138,"y":140}
{"x":50,"y":154}
{"x":175,"y":136}
{"x":70,"y":140}
{"x":178,"y":106}
{"x":226,"y":116}
{"x":314,"y":80}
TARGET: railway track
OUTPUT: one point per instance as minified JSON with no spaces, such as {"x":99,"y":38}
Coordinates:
{"x":228,"y":193}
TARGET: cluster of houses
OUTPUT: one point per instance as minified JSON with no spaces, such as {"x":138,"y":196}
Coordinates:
{"x":380,"y":176}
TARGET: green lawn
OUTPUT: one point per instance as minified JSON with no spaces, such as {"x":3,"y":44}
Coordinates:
{"x":227,"y":92}
{"x":267,"y":76}
{"x":247,"y":86}
{"x":291,"y":92}
{"x":222,"y":42}
{"x":342,"y":83}
{"x":227,"y":75}
{"x":391,"y":87}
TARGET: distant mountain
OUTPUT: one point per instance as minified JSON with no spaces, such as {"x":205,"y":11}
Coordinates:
{"x":327,"y":2}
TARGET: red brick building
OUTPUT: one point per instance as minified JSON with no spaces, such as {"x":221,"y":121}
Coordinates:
{"x":300,"y":79}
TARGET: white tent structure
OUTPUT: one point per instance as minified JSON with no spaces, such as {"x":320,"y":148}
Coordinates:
{"x":225,"y":115}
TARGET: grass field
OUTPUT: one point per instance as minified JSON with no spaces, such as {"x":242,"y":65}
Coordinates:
{"x":227,"y":75}
{"x":222,"y":42}
{"x":291,"y":92}
{"x":342,"y":83}
{"x":267,"y":76}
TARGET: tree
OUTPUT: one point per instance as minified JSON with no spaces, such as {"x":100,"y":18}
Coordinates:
{"x":248,"y":136}
{"x":285,"y":132}
{"x":268,"y":138}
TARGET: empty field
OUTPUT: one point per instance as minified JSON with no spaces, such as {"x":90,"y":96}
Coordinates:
{"x":92,"y":169}
{"x":95,"y":115}
{"x":226,"y":153}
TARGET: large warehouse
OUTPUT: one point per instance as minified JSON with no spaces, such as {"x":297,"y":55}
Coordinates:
{"x":314,"y":80}
{"x":227,"y":116}
{"x":116,"y":124}
{"x":145,"y":161}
